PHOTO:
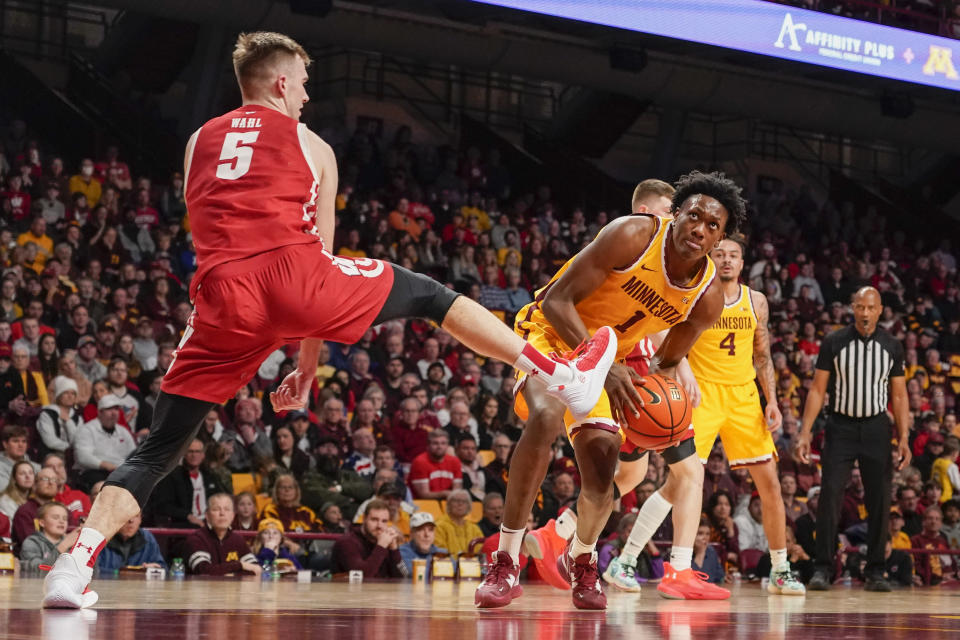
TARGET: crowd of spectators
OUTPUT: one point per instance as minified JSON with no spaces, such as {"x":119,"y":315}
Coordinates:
{"x":93,"y":302}
{"x":929,"y":16}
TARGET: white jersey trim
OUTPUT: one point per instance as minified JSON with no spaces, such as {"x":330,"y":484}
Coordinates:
{"x":304,"y":140}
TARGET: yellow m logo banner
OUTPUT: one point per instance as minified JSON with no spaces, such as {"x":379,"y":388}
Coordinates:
{"x":940,"y":61}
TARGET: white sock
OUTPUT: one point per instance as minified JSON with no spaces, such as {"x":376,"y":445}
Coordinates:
{"x":88,"y":546}
{"x":681,"y":557}
{"x":578,"y":547}
{"x":536,"y":365}
{"x":566,"y":524}
{"x":511,"y":541}
{"x":778,"y":559}
{"x":651,"y":516}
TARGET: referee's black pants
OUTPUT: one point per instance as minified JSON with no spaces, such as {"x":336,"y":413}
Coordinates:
{"x":849,"y":440}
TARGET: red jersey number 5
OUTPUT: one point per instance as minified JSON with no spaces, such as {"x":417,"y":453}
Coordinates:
{"x":236,"y":156}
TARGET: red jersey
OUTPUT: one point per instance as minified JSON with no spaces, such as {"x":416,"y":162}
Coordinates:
{"x":251,"y":187}
{"x":439,"y":475}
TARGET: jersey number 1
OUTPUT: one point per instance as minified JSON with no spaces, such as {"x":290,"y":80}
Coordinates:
{"x":624,"y":326}
{"x":236,"y":156}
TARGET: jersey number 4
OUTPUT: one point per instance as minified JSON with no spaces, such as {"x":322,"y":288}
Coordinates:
{"x":728,"y":344}
{"x":234,"y":156}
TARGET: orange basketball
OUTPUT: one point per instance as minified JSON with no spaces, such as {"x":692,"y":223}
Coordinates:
{"x":664,"y":417}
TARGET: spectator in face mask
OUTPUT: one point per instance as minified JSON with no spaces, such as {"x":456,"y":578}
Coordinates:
{"x":85,"y":183}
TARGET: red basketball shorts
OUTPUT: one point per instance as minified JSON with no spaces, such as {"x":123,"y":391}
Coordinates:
{"x":247,"y":309}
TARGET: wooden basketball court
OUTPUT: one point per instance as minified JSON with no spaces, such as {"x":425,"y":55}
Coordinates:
{"x":249,"y":609}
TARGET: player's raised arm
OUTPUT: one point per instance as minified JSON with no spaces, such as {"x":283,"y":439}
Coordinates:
{"x":618,"y":245}
{"x":681,"y":337}
{"x":762,"y":362}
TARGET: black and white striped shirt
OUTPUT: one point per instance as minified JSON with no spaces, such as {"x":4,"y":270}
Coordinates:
{"x":860,"y":370}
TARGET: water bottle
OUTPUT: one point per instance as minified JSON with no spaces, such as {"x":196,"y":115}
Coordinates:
{"x":177,"y":569}
{"x":268,"y":570}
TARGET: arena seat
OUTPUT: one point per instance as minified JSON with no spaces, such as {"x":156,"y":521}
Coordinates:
{"x":433,"y":507}
{"x":244,"y":482}
{"x":476,"y":512}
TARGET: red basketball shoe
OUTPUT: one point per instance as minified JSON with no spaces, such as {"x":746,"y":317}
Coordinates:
{"x":584,"y":578}
{"x":589,"y":366}
{"x":544,"y":546}
{"x":501,"y":584}
{"x":688,"y":585}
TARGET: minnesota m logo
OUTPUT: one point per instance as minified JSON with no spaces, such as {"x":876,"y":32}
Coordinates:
{"x":940,"y":61}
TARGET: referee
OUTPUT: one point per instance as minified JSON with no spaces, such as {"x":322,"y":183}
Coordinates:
{"x":862,"y":366}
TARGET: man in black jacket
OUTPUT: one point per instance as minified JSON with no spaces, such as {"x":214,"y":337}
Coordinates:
{"x":180,"y":499}
{"x":371,"y":547}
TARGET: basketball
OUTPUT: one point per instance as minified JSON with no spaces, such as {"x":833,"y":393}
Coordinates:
{"x":664,"y":416}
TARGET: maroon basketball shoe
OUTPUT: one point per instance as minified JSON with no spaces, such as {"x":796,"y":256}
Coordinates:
{"x":501,"y":584}
{"x":584,"y":577}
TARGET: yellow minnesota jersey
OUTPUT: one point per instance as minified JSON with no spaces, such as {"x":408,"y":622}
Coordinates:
{"x":724,"y":353}
{"x":636,"y":301}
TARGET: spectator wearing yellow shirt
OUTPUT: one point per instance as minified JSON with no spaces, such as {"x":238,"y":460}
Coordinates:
{"x":352,"y":248}
{"x":898,"y":538}
{"x":475,"y":210}
{"x":454,"y":532}
{"x":85,"y":183}
{"x":37,"y":234}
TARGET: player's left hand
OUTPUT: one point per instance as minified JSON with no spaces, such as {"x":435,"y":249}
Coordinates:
{"x":773,"y":416}
{"x":293,"y":392}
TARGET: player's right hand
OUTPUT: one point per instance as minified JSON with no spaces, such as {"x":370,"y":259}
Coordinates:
{"x":292,"y":393}
{"x":802,"y":452}
{"x":622,"y":392}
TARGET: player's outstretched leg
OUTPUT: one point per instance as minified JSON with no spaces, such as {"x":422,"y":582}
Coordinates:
{"x":175,"y":423}
{"x":577,"y":382}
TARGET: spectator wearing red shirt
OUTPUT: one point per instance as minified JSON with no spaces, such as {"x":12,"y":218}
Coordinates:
{"x":76,"y":501}
{"x":929,"y":566}
{"x":216,"y":549}
{"x":114,"y":172}
{"x":4,"y":526}
{"x":410,"y":433}
{"x":19,"y":199}
{"x":146,"y":215}
{"x":44,"y":491}
{"x":434,"y":473}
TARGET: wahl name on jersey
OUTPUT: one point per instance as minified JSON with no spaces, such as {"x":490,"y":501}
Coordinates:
{"x":244,"y":123}
{"x":649,"y":298}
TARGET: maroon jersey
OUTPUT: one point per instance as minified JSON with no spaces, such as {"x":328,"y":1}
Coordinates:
{"x":251,"y":187}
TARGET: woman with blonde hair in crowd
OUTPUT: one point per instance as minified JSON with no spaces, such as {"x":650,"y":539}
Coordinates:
{"x":285,"y":506}
{"x":17,"y":491}
{"x":271,"y":546}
